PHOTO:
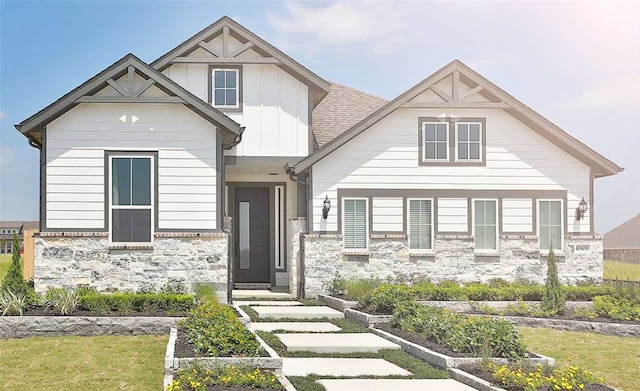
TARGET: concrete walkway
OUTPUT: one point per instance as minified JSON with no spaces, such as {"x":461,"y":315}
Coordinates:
{"x":324,"y":337}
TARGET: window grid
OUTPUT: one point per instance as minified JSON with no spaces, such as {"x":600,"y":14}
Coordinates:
{"x":132,"y":204}
{"x":550,"y":225}
{"x":486,"y":224}
{"x":225,"y":87}
{"x":420,"y":224}
{"x":435,"y":136}
{"x":469,"y":141}
{"x":355,"y":230}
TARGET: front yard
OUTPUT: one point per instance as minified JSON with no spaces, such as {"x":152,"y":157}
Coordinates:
{"x":613,"y":358}
{"x":83,"y":363}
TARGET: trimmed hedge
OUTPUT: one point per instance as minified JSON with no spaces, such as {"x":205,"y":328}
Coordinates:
{"x":126,"y":302}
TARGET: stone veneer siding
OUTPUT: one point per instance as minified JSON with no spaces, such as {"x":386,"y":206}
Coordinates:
{"x":175,"y":260}
{"x":453,"y":259}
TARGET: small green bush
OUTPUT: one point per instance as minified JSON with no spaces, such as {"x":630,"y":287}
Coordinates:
{"x":12,"y":304}
{"x":553,"y":299}
{"x":205,"y":293}
{"x":352,"y":289}
{"x":127,"y":302}
{"x":215,"y":331}
{"x":13,"y":280}
{"x":478,"y":336}
{"x":386,"y":297}
{"x":624,"y":305}
{"x":62,"y":301}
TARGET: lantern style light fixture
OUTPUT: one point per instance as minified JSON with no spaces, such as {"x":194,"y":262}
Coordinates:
{"x":326,"y":206}
{"x":581,"y":209}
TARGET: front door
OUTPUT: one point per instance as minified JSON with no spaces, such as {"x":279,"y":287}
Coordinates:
{"x":252,"y":236}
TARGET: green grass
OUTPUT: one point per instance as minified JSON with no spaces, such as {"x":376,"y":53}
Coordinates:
{"x":615,"y":270}
{"x":83,"y":363}
{"x":5,"y":262}
{"x":306,"y":383}
{"x":613,"y":358}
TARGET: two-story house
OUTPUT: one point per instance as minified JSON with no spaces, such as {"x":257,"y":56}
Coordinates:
{"x":227,"y":162}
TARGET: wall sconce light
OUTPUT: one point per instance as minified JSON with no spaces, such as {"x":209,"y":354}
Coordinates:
{"x":326,"y":206}
{"x":581,"y":209}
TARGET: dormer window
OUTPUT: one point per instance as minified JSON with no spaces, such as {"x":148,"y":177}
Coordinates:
{"x":225,"y":88}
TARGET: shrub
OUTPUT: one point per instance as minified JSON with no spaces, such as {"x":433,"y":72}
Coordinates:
{"x":385,"y":297}
{"x":478,"y":336}
{"x":205,"y":293}
{"x":13,"y":280}
{"x":63,"y":301}
{"x":12,"y":304}
{"x":352,"y":289}
{"x":215,"y":331}
{"x":197,"y":378}
{"x":625,"y":305}
{"x":553,"y":299}
{"x":127,"y":302}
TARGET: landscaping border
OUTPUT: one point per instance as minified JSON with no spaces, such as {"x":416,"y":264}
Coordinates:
{"x":470,"y":306}
{"x":243,"y":318}
{"x":605,"y":328}
{"x":472,"y":380}
{"x":86,"y":326}
{"x":337,"y":303}
{"x":366,"y":319}
{"x":447,"y":362}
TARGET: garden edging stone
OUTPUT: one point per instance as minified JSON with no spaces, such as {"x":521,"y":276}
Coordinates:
{"x":337,"y":303}
{"x":472,"y":381}
{"x":88,"y":326}
{"x":612,"y":329}
{"x":366,"y":319}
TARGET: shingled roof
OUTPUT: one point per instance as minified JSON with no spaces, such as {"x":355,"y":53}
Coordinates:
{"x":626,"y":235}
{"x":342,"y":108}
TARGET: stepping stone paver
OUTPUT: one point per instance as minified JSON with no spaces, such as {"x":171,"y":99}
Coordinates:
{"x":308,"y":327}
{"x":393,"y":384}
{"x":335,"y":343}
{"x":341,"y":367}
{"x":297,"y":312}
{"x":273,"y":303}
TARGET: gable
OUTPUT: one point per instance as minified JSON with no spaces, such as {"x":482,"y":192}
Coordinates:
{"x":128,"y":80}
{"x":447,"y":84}
{"x":226,"y":42}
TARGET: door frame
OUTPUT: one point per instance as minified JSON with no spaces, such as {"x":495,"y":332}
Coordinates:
{"x":231,"y":209}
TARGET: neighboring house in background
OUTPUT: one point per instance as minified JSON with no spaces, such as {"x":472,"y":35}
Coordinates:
{"x":623,"y":242}
{"x":8,"y":228}
{"x":227,"y":162}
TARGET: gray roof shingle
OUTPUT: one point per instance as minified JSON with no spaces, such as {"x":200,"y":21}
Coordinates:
{"x":342,"y":108}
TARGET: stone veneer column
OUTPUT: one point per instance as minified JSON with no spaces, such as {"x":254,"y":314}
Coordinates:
{"x":297,"y":226}
{"x":176,"y":261}
{"x":584,"y":259}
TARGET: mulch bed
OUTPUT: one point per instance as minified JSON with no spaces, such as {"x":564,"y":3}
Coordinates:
{"x":422,"y":341}
{"x":487,"y":375}
{"x":44,"y":311}
{"x":184,"y":349}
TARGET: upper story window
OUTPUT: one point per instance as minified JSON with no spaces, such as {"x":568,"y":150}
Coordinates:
{"x":225,"y":87}
{"x":131,"y":201}
{"x":435,"y":136}
{"x":550,"y":225}
{"x":469,"y":141}
{"x":452,"y":141}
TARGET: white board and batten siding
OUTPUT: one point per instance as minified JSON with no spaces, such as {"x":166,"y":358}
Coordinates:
{"x":385,"y":156}
{"x":186,"y":145}
{"x":275,"y":107}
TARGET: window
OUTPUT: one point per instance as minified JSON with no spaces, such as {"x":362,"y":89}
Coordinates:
{"x":225,"y":87}
{"x":469,"y":144}
{"x":435,"y":139}
{"x":420,"y":224}
{"x":550,"y":224}
{"x":355,"y":226}
{"x":485,"y":224}
{"x":131,"y":199}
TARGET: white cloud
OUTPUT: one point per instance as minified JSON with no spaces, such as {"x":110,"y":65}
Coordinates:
{"x":342,"y":24}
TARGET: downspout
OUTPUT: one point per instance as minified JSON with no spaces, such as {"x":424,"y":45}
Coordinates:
{"x":301,"y":282}
{"x":230,"y":246}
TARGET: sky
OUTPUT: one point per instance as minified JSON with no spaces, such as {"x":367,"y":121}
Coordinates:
{"x":576,"y":63}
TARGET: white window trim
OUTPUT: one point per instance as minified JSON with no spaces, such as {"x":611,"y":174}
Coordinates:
{"x":213,"y":88}
{"x":279,"y":227}
{"x":151,"y":206}
{"x":479,"y":160}
{"x":356,"y":250}
{"x":495,"y":251}
{"x":416,"y":250}
{"x":562,"y":232}
{"x":424,"y":142}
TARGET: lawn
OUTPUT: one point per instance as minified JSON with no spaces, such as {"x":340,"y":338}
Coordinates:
{"x":616,"y":359}
{"x":83,"y":363}
{"x":5,"y":261}
{"x":615,"y":270}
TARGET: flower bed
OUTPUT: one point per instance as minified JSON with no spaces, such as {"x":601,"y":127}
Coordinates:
{"x":233,"y":378}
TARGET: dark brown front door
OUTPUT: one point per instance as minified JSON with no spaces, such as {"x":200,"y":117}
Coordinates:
{"x":252,"y":235}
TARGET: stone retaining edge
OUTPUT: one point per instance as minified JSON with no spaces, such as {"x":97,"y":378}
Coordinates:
{"x":337,"y":303}
{"x":364,"y":318}
{"x":447,"y":362}
{"x":244,"y":318}
{"x":472,"y":381}
{"x":88,"y":326}
{"x":605,"y":328}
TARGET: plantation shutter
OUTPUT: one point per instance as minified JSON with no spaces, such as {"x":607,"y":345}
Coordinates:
{"x":485,"y":225}
{"x":419,"y":224}
{"x":550,"y":217}
{"x":355,"y":224}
